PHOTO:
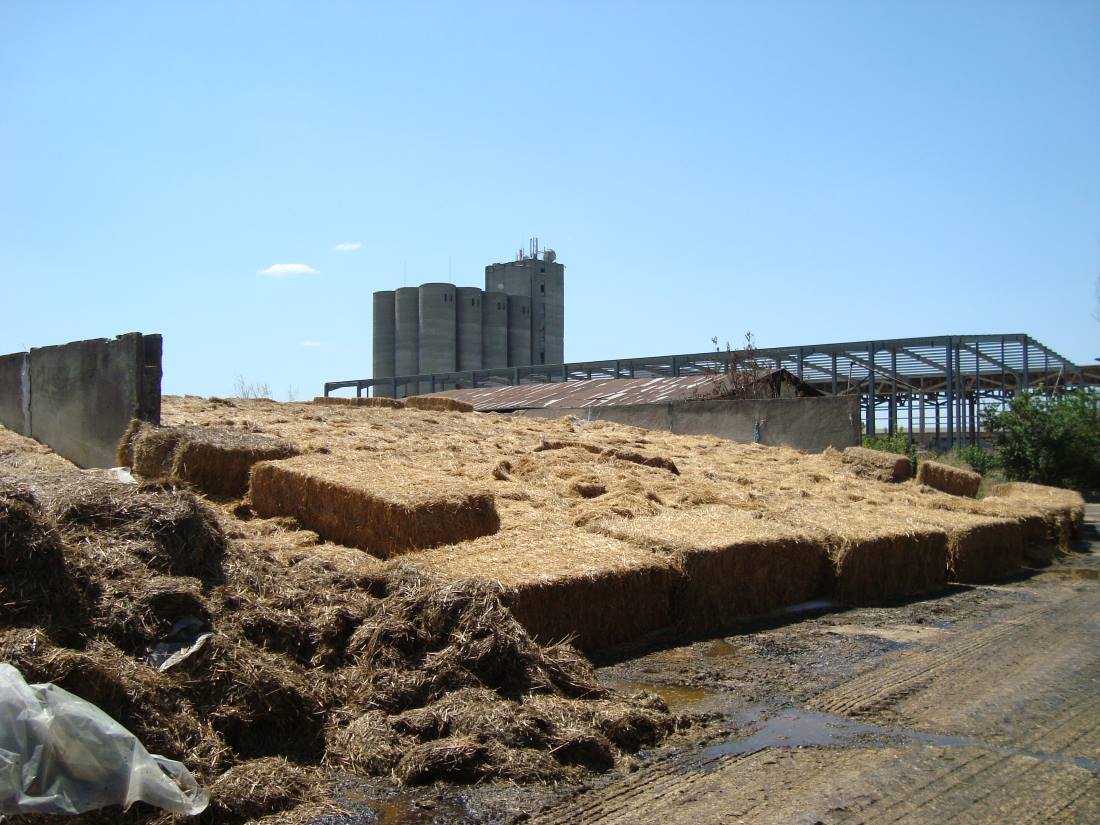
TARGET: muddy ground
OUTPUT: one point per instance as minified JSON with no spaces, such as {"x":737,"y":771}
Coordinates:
{"x":979,"y":705}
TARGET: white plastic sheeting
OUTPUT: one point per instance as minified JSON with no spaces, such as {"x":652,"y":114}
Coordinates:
{"x":62,"y":755}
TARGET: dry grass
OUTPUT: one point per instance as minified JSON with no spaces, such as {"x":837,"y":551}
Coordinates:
{"x":952,"y":480}
{"x":567,"y":584}
{"x":376,"y":505}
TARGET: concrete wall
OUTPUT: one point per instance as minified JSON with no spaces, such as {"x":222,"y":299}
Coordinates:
{"x":13,"y":397}
{"x":78,"y":398}
{"x":809,"y":424}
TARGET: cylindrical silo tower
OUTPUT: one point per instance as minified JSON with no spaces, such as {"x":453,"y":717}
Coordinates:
{"x":383,"y":336}
{"x":468,"y":324}
{"x":555,"y":308}
{"x":494,"y":330}
{"x":407,"y":335}
{"x":438,"y":335}
{"x":519,"y":331}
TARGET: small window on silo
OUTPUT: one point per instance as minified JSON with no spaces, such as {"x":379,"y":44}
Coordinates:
{"x":473,"y":302}
{"x":542,"y":287}
{"x":542,"y":269}
{"x":542,"y":357}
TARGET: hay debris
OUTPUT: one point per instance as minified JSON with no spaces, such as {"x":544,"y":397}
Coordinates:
{"x":948,"y":479}
{"x":376,"y":505}
{"x":438,"y":403}
{"x":877,"y":464}
{"x":260,"y":787}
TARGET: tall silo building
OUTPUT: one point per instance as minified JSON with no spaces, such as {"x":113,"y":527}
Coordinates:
{"x":437,"y":328}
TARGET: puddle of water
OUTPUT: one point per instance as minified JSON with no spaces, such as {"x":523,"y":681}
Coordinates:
{"x":797,"y":728}
{"x":674,"y":695}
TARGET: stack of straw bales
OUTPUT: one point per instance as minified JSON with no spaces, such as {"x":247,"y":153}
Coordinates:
{"x":360,"y":401}
{"x":566,"y":584}
{"x":730,"y":563}
{"x":215,"y":460}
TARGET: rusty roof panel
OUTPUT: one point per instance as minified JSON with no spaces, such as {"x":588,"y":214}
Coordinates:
{"x":597,"y":392}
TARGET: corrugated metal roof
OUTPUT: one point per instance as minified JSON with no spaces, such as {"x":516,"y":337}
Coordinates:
{"x":599,"y":392}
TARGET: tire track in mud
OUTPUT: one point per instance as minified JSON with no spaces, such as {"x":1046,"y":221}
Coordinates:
{"x":1018,"y":692}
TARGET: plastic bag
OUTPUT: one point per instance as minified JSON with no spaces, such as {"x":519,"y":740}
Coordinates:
{"x":62,"y":755}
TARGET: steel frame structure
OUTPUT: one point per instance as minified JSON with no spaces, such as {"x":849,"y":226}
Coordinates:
{"x":945,"y":380}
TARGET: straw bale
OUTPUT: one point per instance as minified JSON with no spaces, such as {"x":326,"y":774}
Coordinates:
{"x":1067,"y":506}
{"x":877,"y":464}
{"x":876,"y":553}
{"x":362,"y":401}
{"x":376,"y":505}
{"x":979,"y":548}
{"x":438,"y":403}
{"x":566,"y":584}
{"x":731,"y":563}
{"x":216,"y":460}
{"x":948,"y":479}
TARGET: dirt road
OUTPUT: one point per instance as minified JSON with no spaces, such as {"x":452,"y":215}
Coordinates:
{"x":979,"y":706}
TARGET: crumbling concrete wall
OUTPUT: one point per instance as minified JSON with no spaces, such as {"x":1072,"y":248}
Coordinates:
{"x":13,"y":395}
{"x":809,"y":424}
{"x":78,"y":398}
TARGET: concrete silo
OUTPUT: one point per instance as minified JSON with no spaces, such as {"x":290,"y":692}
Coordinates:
{"x":554,"y":308}
{"x":383,"y":336}
{"x":407,"y":335}
{"x":438,"y":332}
{"x":494,"y":329}
{"x":468,"y":324}
{"x":519,"y":330}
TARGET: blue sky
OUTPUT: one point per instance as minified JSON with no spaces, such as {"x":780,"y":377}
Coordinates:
{"x":810,"y":171}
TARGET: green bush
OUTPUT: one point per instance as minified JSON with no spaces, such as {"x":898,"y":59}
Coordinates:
{"x":1050,"y":439}
{"x":977,"y":459}
{"x":892,"y":444}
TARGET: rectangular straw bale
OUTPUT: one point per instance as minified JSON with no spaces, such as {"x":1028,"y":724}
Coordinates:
{"x":875,"y":554}
{"x":438,"y":403}
{"x":380,"y":506}
{"x":877,"y":464}
{"x":218,"y":460}
{"x":949,"y":479}
{"x":151,"y":449}
{"x":733,"y":563}
{"x":979,"y":548}
{"x":364,"y":401}
{"x":1067,"y":507}
{"x":1039,"y":528}
{"x":565,"y":583}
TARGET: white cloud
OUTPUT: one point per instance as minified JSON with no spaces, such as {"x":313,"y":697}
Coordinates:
{"x":311,"y":343}
{"x":350,"y":246}
{"x":287,"y":271}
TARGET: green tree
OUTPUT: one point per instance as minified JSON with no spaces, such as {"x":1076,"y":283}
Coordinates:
{"x":1050,"y":439}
